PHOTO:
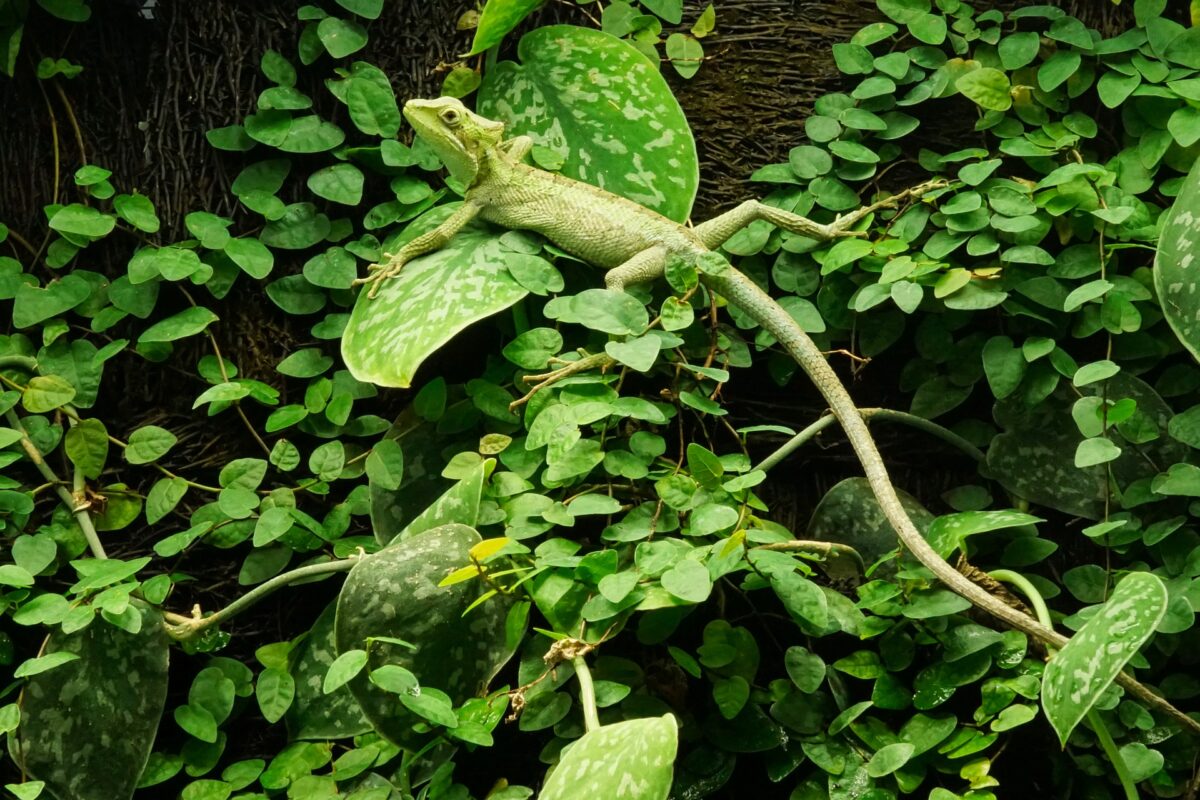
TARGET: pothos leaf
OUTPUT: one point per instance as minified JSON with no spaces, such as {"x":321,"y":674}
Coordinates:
{"x":87,"y":726}
{"x":432,"y":299}
{"x":314,"y":714}
{"x":586,"y":97}
{"x":631,"y":760}
{"x":1079,"y":673}
{"x":394,"y":595}
{"x":1176,"y":262}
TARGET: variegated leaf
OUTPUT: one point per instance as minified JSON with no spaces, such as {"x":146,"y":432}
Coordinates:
{"x":1035,"y":456}
{"x":87,"y":726}
{"x":631,"y":760}
{"x":314,"y":714}
{"x":948,"y":532}
{"x":394,"y":593}
{"x":1177,"y":263}
{"x":602,"y":108}
{"x":849,"y":514}
{"x":1079,"y":673}
{"x":431,"y":300}
{"x":459,"y":504}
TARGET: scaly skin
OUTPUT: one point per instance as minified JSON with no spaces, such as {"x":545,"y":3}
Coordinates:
{"x":635,"y":243}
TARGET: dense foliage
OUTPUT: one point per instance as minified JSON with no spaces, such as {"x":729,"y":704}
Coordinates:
{"x":585,"y":549}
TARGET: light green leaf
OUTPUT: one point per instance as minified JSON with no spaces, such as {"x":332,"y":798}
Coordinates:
{"x":631,"y":760}
{"x":1175,"y":261}
{"x":988,"y":87}
{"x":1079,"y":673}
{"x":586,"y":96}
{"x":86,"y":444}
{"x":497,"y":19}
{"x":82,"y":220}
{"x":45,"y":393}
{"x":435,"y":297}
{"x":149,"y":443}
{"x":948,"y":532}
{"x":340,"y":183}
{"x":341,"y":37}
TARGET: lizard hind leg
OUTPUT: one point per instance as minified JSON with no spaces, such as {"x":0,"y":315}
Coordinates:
{"x":643,"y":267}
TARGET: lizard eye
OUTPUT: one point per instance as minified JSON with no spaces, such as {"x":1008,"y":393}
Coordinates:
{"x":450,"y":116}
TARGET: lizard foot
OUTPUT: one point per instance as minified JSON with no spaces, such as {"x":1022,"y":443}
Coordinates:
{"x":378,"y":274}
{"x":539,"y":382}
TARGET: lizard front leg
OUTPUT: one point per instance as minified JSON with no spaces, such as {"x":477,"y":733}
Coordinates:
{"x":425,"y":243}
{"x":716,"y":231}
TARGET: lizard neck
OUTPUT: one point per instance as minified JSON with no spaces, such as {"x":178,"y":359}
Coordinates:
{"x":495,"y":166}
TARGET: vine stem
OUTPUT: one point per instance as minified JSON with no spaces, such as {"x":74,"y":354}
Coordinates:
{"x":78,"y":509}
{"x":587,"y":693}
{"x":870,"y":415}
{"x":181,"y":627}
{"x":1025,"y":587}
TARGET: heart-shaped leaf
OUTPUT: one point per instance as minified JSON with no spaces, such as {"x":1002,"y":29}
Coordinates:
{"x":395,"y":594}
{"x":1176,"y":261}
{"x":1079,"y":673}
{"x":632,"y":760}
{"x":431,"y":300}
{"x":587,"y":97}
{"x":87,"y":726}
{"x":314,"y":714}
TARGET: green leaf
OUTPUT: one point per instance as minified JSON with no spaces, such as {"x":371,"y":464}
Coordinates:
{"x":497,"y":20}
{"x":372,"y":102}
{"x":988,"y":87}
{"x":634,"y":759}
{"x":688,"y":580}
{"x":341,"y":37}
{"x":188,"y":322}
{"x":45,"y":393}
{"x":948,"y":532}
{"x":1179,"y":249}
{"x":340,"y":183}
{"x":889,"y":758}
{"x":805,"y":668}
{"x":314,"y":714}
{"x":1097,"y":450}
{"x":1019,"y":49}
{"x":138,"y":211}
{"x":343,"y":669}
{"x":1080,"y":673}
{"x":685,"y":54}
{"x":33,"y":305}
{"x":439,"y":627}
{"x":86,"y":444}
{"x":82,"y":220}
{"x":388,"y":337}
{"x":274,"y":690}
{"x":567,"y":112}
{"x":385,"y":465}
{"x":251,"y":255}
{"x":68,"y":715}
{"x":149,"y":443}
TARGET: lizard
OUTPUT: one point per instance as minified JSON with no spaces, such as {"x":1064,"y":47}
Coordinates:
{"x":634,"y":244}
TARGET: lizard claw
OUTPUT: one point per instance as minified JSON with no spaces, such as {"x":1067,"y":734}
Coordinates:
{"x":378,"y":274}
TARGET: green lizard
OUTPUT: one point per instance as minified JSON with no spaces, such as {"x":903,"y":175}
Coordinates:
{"x":635,"y":244}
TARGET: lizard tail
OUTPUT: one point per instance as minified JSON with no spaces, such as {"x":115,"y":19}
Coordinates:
{"x":746,"y":295}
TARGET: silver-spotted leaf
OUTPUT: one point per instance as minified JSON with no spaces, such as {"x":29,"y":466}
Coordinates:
{"x":1079,"y":673}
{"x":601,"y":108}
{"x":395,"y":593}
{"x":948,"y":532}
{"x":459,"y":504}
{"x":87,"y":726}
{"x":1177,"y":261}
{"x":1035,"y":456}
{"x":849,"y":514}
{"x":432,"y":299}
{"x":314,"y":714}
{"x":631,"y":760}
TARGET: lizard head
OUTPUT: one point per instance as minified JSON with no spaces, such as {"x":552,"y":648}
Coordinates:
{"x":458,"y":135}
